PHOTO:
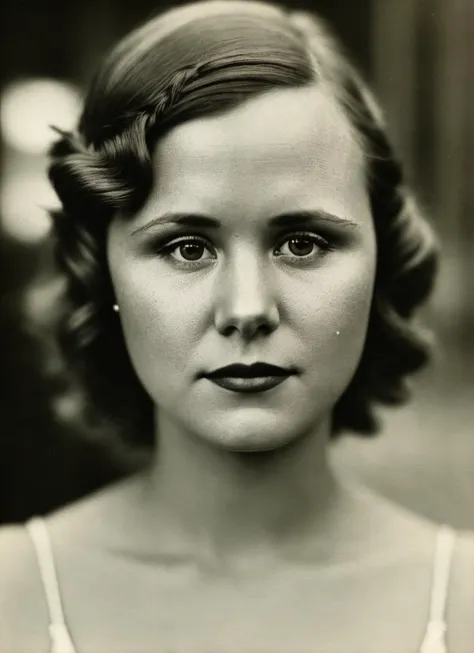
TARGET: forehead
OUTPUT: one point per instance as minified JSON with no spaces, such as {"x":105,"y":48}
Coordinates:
{"x":282,"y":144}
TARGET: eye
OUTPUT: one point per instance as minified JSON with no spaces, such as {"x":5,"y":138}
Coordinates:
{"x":187,"y":250}
{"x":303,"y":245}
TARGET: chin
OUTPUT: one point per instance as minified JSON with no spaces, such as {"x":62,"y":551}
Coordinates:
{"x":251,"y":440}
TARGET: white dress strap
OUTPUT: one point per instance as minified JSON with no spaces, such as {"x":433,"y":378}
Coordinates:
{"x":435,"y":635}
{"x":61,"y":641}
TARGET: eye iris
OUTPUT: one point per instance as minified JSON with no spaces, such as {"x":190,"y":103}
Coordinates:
{"x":300,"y":246}
{"x":191,"y":251}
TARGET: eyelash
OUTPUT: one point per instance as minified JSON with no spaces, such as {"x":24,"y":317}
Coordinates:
{"x":166,"y":251}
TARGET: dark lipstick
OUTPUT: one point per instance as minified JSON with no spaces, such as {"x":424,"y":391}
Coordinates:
{"x":249,"y":378}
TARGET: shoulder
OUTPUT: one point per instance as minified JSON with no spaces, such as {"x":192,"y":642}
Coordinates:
{"x":417,"y":537}
{"x":460,"y":608}
{"x":18,"y":563}
{"x":23,"y":611}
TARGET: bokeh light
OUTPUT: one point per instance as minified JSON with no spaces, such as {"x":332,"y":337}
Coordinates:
{"x":25,"y":198}
{"x":29,"y":107}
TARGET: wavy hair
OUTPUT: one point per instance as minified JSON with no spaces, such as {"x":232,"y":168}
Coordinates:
{"x":196,"y":60}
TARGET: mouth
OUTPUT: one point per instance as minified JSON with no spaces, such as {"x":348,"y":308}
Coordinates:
{"x":258,"y":377}
{"x":255,"y":384}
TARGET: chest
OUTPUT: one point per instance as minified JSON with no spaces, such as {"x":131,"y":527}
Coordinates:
{"x":118,"y":611}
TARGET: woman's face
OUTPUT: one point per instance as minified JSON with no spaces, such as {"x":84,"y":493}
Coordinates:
{"x":256,"y":244}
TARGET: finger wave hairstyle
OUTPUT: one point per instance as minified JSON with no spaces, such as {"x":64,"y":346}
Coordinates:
{"x":196,"y":60}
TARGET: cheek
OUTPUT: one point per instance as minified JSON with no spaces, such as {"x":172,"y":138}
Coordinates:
{"x":351,"y":319}
{"x":340,"y":291}
{"x":350,"y":303}
{"x":161,"y":320}
{"x":333,"y":314}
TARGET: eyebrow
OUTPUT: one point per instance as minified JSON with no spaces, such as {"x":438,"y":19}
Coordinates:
{"x":291,"y":219}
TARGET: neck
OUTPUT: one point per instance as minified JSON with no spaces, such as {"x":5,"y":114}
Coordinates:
{"x":242,"y":507}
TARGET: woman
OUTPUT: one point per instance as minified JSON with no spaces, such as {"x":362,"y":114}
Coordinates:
{"x":243,"y":264}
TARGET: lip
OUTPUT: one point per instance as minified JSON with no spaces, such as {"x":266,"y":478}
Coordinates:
{"x":248,"y":384}
{"x":256,"y":370}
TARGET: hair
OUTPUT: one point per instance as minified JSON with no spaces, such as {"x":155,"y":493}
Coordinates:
{"x":196,"y":60}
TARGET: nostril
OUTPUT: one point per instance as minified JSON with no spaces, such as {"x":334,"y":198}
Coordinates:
{"x":228,"y":330}
{"x":248,"y":328}
{"x":265,"y":328}
{"x":263,"y":320}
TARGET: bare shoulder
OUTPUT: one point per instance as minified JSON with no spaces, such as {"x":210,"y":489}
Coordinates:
{"x":23,"y":611}
{"x":461,"y":595}
{"x":18,"y":564}
{"x":74,"y":530}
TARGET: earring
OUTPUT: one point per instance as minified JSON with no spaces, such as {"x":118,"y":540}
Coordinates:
{"x":116,"y":308}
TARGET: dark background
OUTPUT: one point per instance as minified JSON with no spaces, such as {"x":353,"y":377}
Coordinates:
{"x":419,"y":56}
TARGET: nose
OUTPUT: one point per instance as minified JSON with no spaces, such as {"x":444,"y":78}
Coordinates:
{"x":246,"y":299}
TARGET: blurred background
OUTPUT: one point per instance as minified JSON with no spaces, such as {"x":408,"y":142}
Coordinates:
{"x":419,"y":57}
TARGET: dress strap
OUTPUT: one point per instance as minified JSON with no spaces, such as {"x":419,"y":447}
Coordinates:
{"x":435,"y":636}
{"x":61,"y":641}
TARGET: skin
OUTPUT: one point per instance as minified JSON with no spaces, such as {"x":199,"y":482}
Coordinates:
{"x":284,"y":152}
{"x":234,"y":472}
